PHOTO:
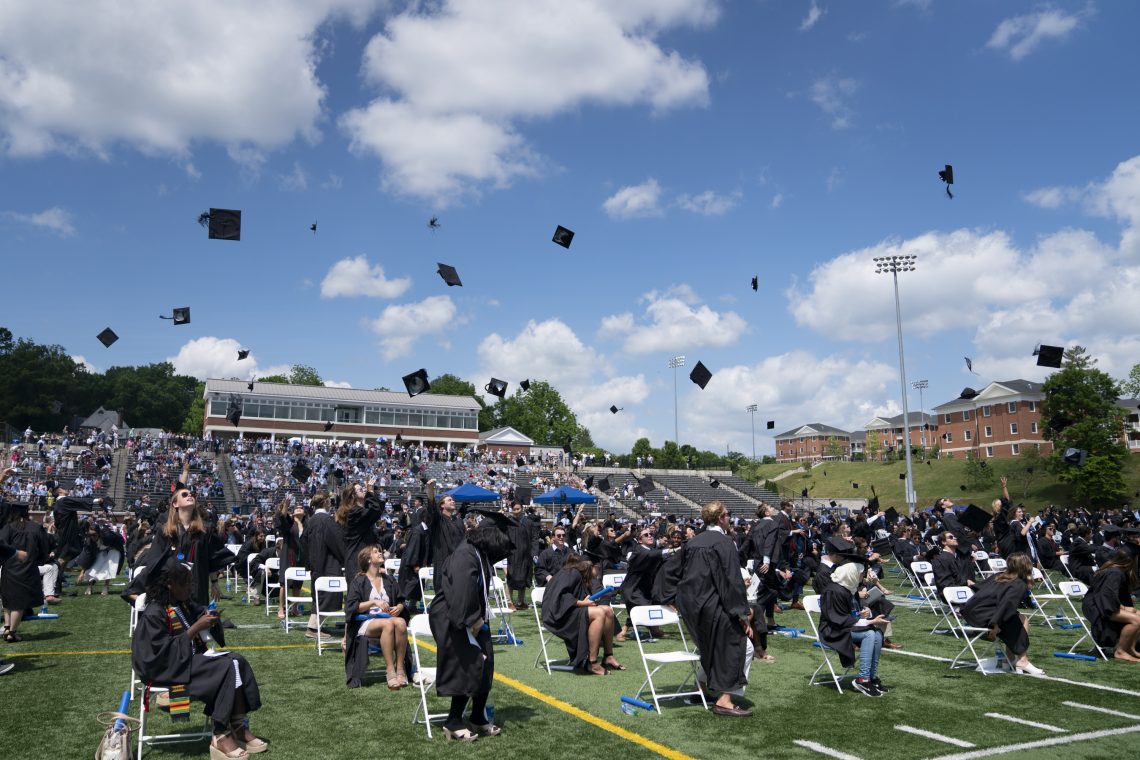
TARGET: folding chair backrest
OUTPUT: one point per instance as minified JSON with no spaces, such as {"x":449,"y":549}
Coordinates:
{"x":392,"y":566}
{"x":613,"y":580}
{"x":957,"y":595}
{"x":1037,"y":575}
{"x":1073,"y":588}
{"x":997,"y":565}
{"x":330,"y":584}
{"x":981,"y":556}
{"x":536,"y":595}
{"x":271,"y":540}
{"x":653,"y":615}
{"x":136,"y":570}
{"x":420,"y":626}
{"x":918,"y":568}
{"x":811,"y":604}
{"x":427,"y":574}
{"x":294,"y":574}
{"x":273,"y":563}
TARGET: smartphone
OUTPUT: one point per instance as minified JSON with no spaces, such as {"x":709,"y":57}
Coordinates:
{"x":889,"y":618}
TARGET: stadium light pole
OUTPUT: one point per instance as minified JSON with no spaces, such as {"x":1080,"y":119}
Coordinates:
{"x":751,"y":409}
{"x":893,"y":265}
{"x":920,"y":386}
{"x":676,"y":361}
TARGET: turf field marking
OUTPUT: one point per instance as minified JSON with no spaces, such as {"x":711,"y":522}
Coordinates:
{"x":1053,"y":742}
{"x":1104,"y":710}
{"x":581,"y":714}
{"x":936,"y":737}
{"x":1024,"y":722}
{"x":824,"y":750}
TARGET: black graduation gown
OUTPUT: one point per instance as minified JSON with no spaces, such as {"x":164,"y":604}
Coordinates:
{"x":550,"y":561}
{"x":562,"y":617}
{"x":1081,"y":561}
{"x":668,"y":576}
{"x":65,"y":512}
{"x":446,"y":533}
{"x":1047,"y":553}
{"x":461,"y":600}
{"x":947,"y":571}
{"x":1107,"y":594}
{"x":356,"y":650}
{"x":995,"y":603}
{"x":416,"y":554}
{"x":836,"y":621}
{"x":822,"y":577}
{"x":163,"y":658}
{"x":712,"y":600}
{"x":520,"y":562}
{"x":644,"y":562}
{"x":205,"y":553}
{"x":20,"y":585}
{"x":323,"y":546}
{"x":289,"y":549}
{"x":360,"y":530}
{"x":762,"y":542}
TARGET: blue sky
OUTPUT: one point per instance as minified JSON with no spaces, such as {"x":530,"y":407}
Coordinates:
{"x":690,"y":144}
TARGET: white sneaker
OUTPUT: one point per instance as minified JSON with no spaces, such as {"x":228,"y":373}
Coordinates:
{"x":1030,"y":669}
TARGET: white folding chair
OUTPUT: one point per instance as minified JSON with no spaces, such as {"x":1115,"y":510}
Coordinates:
{"x":1037,"y":601}
{"x":1076,"y":590}
{"x":955,"y":597}
{"x":543,"y":657}
{"x":231,"y":572}
{"x":997,"y":565}
{"x":249,"y":592}
{"x":328,"y":584}
{"x":206,"y":732}
{"x":271,"y":540}
{"x":924,"y":572}
{"x":295,"y":575}
{"x":135,"y":608}
{"x":656,"y":616}
{"x":979,"y":558}
{"x":500,"y":569}
{"x":392,"y":566}
{"x":614,"y":580}
{"x":1065,"y":564}
{"x":811,"y":607}
{"x":500,"y":609}
{"x":427,"y":585}
{"x":420,"y":628}
{"x":272,"y":565}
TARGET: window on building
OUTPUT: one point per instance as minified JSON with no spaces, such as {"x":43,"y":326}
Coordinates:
{"x":968,"y":435}
{"x":1016,"y":449}
{"x":946,"y":418}
{"x":966,"y":416}
{"x":989,"y":451}
{"x":989,"y":431}
{"x":1011,"y":407}
{"x":1032,"y":405}
{"x":949,"y":438}
{"x":1013,"y":428}
{"x":986,"y":411}
{"x":1032,"y":427}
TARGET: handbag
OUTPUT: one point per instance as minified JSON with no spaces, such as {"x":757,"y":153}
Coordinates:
{"x":116,"y":741}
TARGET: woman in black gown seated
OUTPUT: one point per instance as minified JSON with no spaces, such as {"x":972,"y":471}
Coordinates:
{"x":995,"y":605}
{"x":373,"y":592}
{"x":167,"y":650}
{"x":585,"y":625}
{"x":1108,"y":605}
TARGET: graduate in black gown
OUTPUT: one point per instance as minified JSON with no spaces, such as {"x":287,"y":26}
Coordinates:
{"x":552,"y":558}
{"x":459,"y":614}
{"x":167,"y":650}
{"x":444,"y":526}
{"x":644,"y":562}
{"x":20,"y":584}
{"x":711,"y":598}
{"x":289,"y":526}
{"x":995,"y":606}
{"x":323,"y":550}
{"x":1081,"y":556}
{"x":844,"y":622}
{"x":372,"y":591}
{"x":583,"y":624}
{"x":6,"y":553}
{"x":1108,"y":605}
{"x":520,"y":565}
{"x":362,"y":510}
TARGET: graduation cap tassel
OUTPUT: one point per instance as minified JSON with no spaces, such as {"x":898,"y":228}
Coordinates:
{"x":948,"y":193}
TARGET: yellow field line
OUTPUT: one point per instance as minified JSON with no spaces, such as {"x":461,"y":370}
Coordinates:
{"x":581,"y":714}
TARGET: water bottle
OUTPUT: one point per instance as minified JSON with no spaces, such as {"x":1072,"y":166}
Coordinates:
{"x":44,"y":609}
{"x":490,"y":711}
{"x":999,"y":658}
{"x":628,"y":709}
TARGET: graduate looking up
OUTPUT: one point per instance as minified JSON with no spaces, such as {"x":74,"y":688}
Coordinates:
{"x":444,"y":526}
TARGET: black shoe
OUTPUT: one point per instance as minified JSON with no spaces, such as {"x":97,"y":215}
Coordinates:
{"x":866,"y":687}
{"x":6,"y":666}
{"x":880,"y":685}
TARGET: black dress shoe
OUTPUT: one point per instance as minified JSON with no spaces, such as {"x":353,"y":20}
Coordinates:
{"x":732,"y":712}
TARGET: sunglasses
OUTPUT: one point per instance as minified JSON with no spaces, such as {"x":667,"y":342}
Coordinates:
{"x":647,"y":535}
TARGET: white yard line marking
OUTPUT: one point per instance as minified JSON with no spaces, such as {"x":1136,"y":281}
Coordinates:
{"x":1104,"y":710}
{"x":1054,"y":742}
{"x":825,"y":750}
{"x":936,"y":737}
{"x":1024,"y":722}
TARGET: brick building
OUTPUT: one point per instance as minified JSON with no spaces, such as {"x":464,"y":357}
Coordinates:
{"x":923,"y":431}
{"x":1001,"y":421}
{"x":810,"y":443}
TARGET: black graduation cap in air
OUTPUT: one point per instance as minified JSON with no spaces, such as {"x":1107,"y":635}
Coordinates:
{"x":700,"y":375}
{"x":449,"y":275}
{"x":947,"y":176}
{"x":234,"y":415}
{"x":181,"y":316}
{"x":975,"y":518}
{"x":563,"y":236}
{"x":568,"y":446}
{"x":962,"y":487}
{"x":313,"y":227}
{"x":755,"y":283}
{"x":107,"y":337}
{"x":301,"y":471}
{"x":328,"y":426}
{"x":714,"y":483}
{"x":223,"y":223}
{"x":771,"y":424}
{"x":496,"y":387}
{"x":589,"y":482}
{"x":1074,"y":456}
{"x":873,"y":504}
{"x":243,"y":353}
{"x":615,"y":409}
{"x":525,"y":385}
{"x":249,"y":385}
{"x":967,"y":394}
{"x":523,"y":494}
{"x":433,"y":223}
{"x":604,"y":485}
{"x":892,"y":515}
{"x":1049,"y":356}
{"x":645,"y":485}
{"x":855,"y":485}
{"x":417,"y":382}
{"x":969,"y":364}
{"x":902,"y":476}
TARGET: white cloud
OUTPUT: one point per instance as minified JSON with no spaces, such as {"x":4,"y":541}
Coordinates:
{"x":400,"y":325}
{"x":1020,"y":35}
{"x":833,"y":95}
{"x":834,"y":179}
{"x":217,"y":357}
{"x":336,"y":384}
{"x":777,"y":200}
{"x":1051,"y":197}
{"x":295,"y":181}
{"x":86,"y":364}
{"x":674,"y":321}
{"x":815,"y":13}
{"x":456,"y":78}
{"x":709,"y":203}
{"x":161,"y":76}
{"x":634,"y":201}
{"x":356,"y":277}
{"x":1117,"y":197}
{"x":55,"y":219}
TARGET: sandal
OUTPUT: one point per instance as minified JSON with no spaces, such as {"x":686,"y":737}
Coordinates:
{"x":765,"y":658}
{"x":393,"y":682}
{"x":601,"y":671}
{"x":12,"y":638}
{"x":487,"y":729}
{"x":612,"y":664}
{"x":460,"y":734}
{"x":217,"y":753}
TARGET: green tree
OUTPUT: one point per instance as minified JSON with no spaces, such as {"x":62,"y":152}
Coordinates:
{"x":1080,"y":407}
{"x":669,"y":457}
{"x":833,"y":447}
{"x":540,"y":413}
{"x":41,"y":386}
{"x":450,"y":385}
{"x":1131,"y":386}
{"x":978,"y":474}
{"x":150,"y":395}
{"x":299,"y":374}
{"x":192,"y":425}
{"x":641,"y":448}
{"x":874,"y":446}
{"x":1031,"y":464}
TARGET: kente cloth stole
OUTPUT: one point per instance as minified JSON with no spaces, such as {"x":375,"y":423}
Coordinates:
{"x":179,"y":698}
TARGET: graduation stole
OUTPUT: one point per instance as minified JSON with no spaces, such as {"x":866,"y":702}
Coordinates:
{"x":179,"y":698}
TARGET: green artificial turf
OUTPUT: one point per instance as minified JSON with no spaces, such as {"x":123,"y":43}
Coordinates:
{"x":51,"y":700}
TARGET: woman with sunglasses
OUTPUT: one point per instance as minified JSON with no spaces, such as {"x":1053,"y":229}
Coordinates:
{"x":644,"y":560}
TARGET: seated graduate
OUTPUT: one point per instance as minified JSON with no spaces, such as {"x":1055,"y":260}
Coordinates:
{"x":167,"y":649}
{"x":845,"y":622}
{"x":994,"y":606}
{"x":373,"y":592}
{"x":553,"y":557}
{"x":1108,"y":605}
{"x":585,"y":625}
{"x":948,"y":565}
{"x":465,"y":658}
{"x":644,"y":561}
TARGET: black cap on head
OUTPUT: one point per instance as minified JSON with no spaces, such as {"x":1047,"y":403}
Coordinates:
{"x":700,"y":375}
{"x":449,"y":275}
{"x":498,"y":519}
{"x":838,"y":545}
{"x":975,"y":518}
{"x":328,"y":426}
{"x":967,"y":393}
{"x":614,"y":409}
{"x":1074,"y":456}
{"x":496,"y":387}
{"x":563,"y":236}
{"x":1049,"y":356}
{"x":755,"y":283}
{"x":107,"y":337}
{"x":224,"y":223}
{"x":892,"y":515}
{"x":417,"y":382}
{"x":301,"y":471}
{"x":604,"y":485}
{"x":243,"y":353}
{"x":525,"y":385}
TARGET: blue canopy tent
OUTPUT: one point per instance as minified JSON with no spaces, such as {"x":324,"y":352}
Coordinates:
{"x":566,"y":495}
{"x":469,"y":493}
